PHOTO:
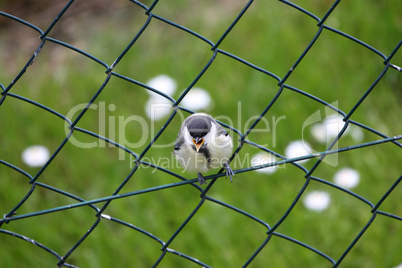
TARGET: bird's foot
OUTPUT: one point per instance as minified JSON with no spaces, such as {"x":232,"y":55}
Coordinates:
{"x":201,"y":179}
{"x":229,"y":171}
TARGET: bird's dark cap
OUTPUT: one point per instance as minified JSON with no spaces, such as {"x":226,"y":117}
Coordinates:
{"x":199,"y":126}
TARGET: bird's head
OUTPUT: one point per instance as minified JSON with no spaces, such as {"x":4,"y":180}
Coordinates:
{"x":199,"y":127}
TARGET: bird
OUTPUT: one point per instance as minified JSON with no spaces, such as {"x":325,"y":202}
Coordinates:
{"x":203,"y":144}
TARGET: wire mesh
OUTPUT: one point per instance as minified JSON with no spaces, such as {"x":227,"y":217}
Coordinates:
{"x":98,"y":204}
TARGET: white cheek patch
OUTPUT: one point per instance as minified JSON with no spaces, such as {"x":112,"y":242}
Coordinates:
{"x":223,"y":141}
{"x":219,"y":140}
{"x":220,"y":148}
{"x":187,"y":138}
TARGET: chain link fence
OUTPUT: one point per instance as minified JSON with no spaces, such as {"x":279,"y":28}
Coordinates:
{"x":32,"y":196}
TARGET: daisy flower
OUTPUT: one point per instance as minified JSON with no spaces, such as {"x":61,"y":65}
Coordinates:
{"x":317,"y":200}
{"x":35,"y":156}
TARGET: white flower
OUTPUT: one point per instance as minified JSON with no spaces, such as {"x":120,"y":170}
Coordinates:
{"x":317,"y":200}
{"x":319,"y":132}
{"x":262,"y":159}
{"x":357,"y":134}
{"x":347,"y":178}
{"x":163,"y":83}
{"x":325,"y":132}
{"x":197,"y":99}
{"x":399,"y":266}
{"x":298,"y":148}
{"x":35,"y":156}
{"x":158,"y":107}
{"x":334,"y":125}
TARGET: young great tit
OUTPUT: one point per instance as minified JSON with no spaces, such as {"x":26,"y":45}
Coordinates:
{"x":202,"y":144}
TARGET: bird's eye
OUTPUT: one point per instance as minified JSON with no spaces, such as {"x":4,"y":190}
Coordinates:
{"x":226,"y":134}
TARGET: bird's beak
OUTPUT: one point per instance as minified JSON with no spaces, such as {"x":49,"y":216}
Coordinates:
{"x":198,"y":142}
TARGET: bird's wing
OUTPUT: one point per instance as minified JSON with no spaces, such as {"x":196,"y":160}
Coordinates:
{"x":179,"y":142}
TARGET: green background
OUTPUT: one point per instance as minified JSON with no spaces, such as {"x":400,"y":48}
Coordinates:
{"x":271,"y":35}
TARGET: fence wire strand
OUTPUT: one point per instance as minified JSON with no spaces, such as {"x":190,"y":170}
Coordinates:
{"x":99,"y":205}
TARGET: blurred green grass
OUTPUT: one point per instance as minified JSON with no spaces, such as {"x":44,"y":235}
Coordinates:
{"x":271,"y":35}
